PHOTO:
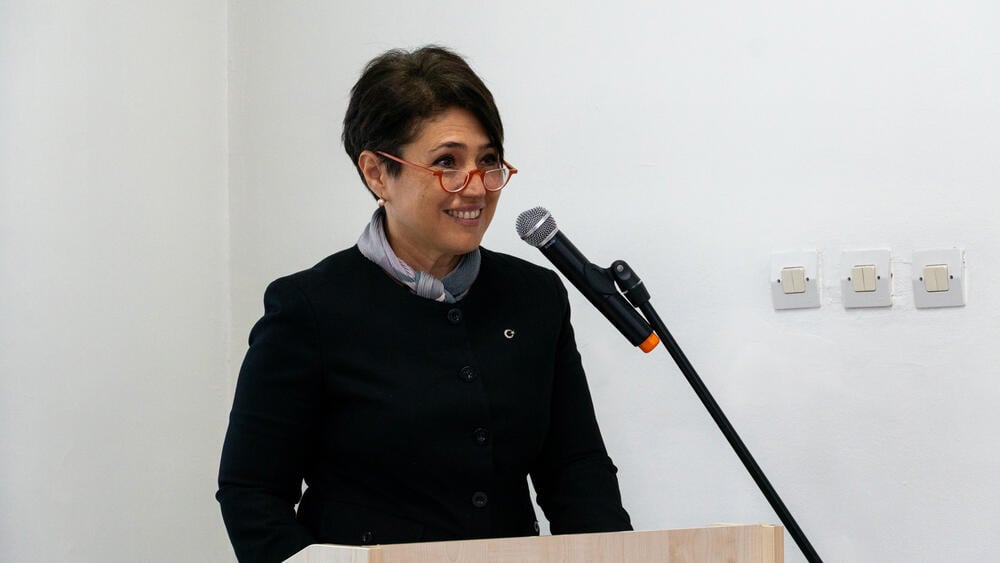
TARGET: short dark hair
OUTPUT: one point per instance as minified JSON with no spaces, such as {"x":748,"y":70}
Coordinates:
{"x":399,"y":90}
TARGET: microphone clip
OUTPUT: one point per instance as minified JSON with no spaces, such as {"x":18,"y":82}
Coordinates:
{"x":629,"y":283}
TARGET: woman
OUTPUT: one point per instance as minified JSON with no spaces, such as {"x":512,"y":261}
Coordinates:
{"x":415,"y":380}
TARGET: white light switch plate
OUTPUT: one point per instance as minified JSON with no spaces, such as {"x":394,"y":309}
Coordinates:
{"x":954,"y":259}
{"x":882,"y":260}
{"x":809,"y":261}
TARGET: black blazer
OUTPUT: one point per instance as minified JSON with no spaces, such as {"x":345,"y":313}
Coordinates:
{"x":410,"y":419}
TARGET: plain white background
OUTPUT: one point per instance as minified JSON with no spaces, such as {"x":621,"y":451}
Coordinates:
{"x":161,"y":163}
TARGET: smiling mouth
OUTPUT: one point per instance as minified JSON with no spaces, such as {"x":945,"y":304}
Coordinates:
{"x":465,"y":214}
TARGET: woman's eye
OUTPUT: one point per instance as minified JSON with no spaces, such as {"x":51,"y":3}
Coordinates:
{"x":446,"y":161}
{"x":489,"y":161}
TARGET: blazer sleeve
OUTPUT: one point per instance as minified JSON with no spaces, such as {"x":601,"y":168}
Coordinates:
{"x":274,"y":412}
{"x":576,"y":481}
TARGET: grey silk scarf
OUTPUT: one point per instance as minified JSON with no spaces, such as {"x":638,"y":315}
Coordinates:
{"x":375,"y":247}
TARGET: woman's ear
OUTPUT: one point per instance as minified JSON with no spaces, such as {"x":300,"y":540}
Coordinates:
{"x":370,"y":166}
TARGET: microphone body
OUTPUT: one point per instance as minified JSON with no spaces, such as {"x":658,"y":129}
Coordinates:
{"x":595,"y":283}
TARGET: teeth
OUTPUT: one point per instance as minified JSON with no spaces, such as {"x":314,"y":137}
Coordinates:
{"x":466,"y":214}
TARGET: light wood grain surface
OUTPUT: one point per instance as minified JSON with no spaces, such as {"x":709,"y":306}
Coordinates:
{"x":755,"y":543}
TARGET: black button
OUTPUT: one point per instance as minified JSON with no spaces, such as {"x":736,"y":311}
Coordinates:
{"x":536,"y":527}
{"x":367,"y":538}
{"x":482,"y":436}
{"x":454,"y":316}
{"x":468,"y":373}
{"x":479,"y":499}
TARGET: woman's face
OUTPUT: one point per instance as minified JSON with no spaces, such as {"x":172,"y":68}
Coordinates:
{"x":427,"y":227}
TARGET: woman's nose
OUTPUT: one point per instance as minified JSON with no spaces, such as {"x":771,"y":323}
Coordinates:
{"x":477,"y":183}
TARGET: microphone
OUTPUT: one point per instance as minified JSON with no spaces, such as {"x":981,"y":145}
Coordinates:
{"x":537,"y":228}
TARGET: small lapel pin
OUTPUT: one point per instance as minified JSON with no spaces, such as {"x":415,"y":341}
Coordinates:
{"x":509,"y":333}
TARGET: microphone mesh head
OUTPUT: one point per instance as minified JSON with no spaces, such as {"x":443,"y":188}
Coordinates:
{"x":536,"y":226}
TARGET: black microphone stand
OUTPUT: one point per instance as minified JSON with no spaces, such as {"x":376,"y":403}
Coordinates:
{"x":634,"y":290}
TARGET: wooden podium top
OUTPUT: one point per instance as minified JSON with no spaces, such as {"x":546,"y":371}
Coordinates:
{"x":756,"y":543}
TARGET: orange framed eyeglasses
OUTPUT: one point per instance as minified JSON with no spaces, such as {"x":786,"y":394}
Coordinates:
{"x":454,"y":181}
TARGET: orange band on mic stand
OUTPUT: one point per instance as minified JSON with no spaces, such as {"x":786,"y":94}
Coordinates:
{"x":649,"y":343}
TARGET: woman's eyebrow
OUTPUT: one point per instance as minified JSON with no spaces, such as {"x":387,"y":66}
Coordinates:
{"x":458,"y":145}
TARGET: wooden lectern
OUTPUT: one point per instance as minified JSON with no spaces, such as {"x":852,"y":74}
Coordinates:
{"x":724,"y":544}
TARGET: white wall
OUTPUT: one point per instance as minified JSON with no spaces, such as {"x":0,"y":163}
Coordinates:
{"x":690,"y":138}
{"x":694,"y":138}
{"x":114,"y":280}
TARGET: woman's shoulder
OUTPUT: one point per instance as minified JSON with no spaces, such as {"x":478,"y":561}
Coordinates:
{"x":344,"y":268}
{"x":348,"y":258}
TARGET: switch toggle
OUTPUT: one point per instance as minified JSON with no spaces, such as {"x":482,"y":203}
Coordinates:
{"x":936,"y":277}
{"x":793,"y":280}
{"x":863,"y":277}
